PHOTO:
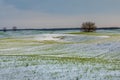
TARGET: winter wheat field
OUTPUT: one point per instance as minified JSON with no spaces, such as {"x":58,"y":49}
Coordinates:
{"x":60,"y":55}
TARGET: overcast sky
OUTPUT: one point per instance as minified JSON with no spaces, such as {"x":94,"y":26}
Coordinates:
{"x":58,"y":13}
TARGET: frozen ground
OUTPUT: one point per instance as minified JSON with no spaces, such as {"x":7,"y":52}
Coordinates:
{"x":62,"y":55}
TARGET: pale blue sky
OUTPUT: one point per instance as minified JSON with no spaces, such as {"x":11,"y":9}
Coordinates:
{"x":58,"y":13}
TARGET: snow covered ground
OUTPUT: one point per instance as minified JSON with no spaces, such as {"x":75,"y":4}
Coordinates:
{"x":52,"y":55}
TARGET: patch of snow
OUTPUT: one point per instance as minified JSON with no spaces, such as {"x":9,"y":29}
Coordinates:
{"x":54,"y":37}
{"x":43,"y":37}
{"x":104,"y":36}
{"x":8,"y":49}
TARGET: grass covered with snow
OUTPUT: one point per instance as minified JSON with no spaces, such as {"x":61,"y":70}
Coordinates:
{"x":67,"y":55}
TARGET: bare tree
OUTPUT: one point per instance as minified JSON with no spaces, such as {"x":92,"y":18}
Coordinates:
{"x":88,"y":27}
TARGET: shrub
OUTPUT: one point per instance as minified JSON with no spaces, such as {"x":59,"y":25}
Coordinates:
{"x":88,"y":27}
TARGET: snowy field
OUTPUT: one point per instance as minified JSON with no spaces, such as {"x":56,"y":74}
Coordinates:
{"x":60,"y":55}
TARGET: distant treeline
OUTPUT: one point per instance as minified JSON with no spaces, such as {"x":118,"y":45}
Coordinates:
{"x":55,"y":29}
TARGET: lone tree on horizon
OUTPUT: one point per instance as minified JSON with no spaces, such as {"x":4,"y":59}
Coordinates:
{"x":4,"y":29}
{"x":14,"y":28}
{"x":88,"y":27}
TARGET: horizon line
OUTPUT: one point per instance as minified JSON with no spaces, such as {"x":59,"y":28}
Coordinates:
{"x":77,"y":28}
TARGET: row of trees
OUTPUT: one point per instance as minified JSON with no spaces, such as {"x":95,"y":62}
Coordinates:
{"x":88,"y":27}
